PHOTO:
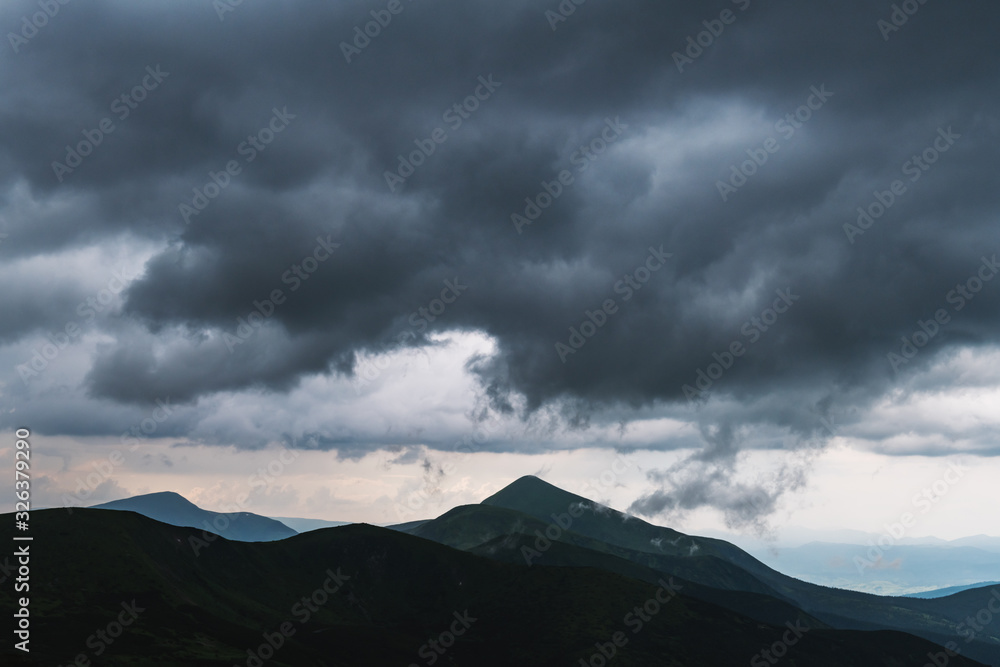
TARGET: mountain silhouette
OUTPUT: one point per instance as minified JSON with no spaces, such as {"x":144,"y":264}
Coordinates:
{"x":175,"y":509}
{"x":362,"y":596}
{"x":522,"y":521}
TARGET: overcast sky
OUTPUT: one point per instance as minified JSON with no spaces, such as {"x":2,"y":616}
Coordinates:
{"x":744,"y":249}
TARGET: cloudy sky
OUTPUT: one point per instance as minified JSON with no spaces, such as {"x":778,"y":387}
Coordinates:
{"x":737,"y":258}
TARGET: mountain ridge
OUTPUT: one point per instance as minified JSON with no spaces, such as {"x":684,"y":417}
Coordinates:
{"x":176,"y":510}
{"x":388,"y":593}
{"x":568,"y":515}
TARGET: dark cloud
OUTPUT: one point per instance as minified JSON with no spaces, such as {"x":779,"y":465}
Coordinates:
{"x":709,"y":478}
{"x":323,"y":177}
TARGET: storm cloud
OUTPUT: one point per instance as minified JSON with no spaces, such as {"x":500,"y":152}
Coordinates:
{"x":646,"y":207}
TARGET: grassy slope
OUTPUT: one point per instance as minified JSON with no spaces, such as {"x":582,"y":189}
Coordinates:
{"x":469,"y":526}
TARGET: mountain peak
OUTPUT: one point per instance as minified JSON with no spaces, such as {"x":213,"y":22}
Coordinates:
{"x":175,"y":509}
{"x":531,"y":481}
{"x":530,"y":494}
{"x":567,"y":512}
{"x":521,"y":485}
{"x":158,"y":498}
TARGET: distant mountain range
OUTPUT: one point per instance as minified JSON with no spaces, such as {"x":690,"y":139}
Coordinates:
{"x":899,"y":569}
{"x":533,"y":575}
{"x":305,"y":525}
{"x":177,"y":510}
{"x":951,"y":590}
{"x":795,"y":536}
